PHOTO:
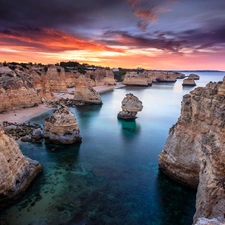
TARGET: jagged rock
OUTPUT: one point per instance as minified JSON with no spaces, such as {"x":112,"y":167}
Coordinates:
{"x":194,"y":153}
{"x":189,"y":82}
{"x":136,"y":79}
{"x":62,"y":127}
{"x":84,"y":92}
{"x":71,"y":78}
{"x":194,"y":76}
{"x":130,"y":106}
{"x":16,"y":91}
{"x":16,"y":171}
{"x":214,"y":221}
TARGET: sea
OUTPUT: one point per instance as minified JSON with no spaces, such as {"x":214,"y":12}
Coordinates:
{"x":112,"y":176}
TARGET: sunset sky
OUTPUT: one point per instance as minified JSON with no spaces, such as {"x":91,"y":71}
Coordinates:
{"x":152,"y":34}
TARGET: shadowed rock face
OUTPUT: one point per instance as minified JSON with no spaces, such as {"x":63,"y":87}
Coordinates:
{"x":130,"y":106}
{"x":62,"y":127}
{"x":194,"y":153}
{"x":84,"y":92}
{"x":16,"y":171}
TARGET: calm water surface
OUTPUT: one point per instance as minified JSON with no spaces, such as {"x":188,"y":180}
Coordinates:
{"x":111,"y":177}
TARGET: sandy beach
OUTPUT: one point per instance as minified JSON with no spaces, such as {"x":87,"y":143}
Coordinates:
{"x":21,"y":115}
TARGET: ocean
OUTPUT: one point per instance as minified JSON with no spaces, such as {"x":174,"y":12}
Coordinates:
{"x":112,"y":176}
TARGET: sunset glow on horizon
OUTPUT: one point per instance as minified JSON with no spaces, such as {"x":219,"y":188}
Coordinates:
{"x":157,"y":34}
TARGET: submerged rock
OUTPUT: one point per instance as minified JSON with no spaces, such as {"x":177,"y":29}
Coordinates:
{"x":85,"y":93}
{"x":194,"y":153}
{"x":62,"y":127}
{"x":16,"y":171}
{"x":130,"y":106}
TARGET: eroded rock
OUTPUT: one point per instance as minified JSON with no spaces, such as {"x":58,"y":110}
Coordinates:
{"x":16,"y":170}
{"x":62,"y":127}
{"x":194,"y":153}
{"x":130,"y":106}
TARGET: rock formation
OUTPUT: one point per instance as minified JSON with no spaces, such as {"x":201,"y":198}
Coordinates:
{"x":130,"y":106}
{"x":16,"y":171}
{"x":194,"y":76}
{"x":54,"y":79}
{"x":62,"y":127}
{"x":214,"y":221}
{"x":71,"y":78}
{"x":194,"y":153}
{"x":136,"y":79}
{"x":16,"y":91}
{"x":84,"y":92}
{"x":100,"y":77}
{"x":189,"y":82}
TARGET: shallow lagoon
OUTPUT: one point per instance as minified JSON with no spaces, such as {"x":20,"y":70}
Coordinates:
{"x":111,"y":177}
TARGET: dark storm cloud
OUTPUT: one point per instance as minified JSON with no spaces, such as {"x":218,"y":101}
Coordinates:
{"x":52,"y":13}
{"x":195,"y":39}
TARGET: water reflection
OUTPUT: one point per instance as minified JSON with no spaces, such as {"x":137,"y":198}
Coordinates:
{"x":129,"y":128}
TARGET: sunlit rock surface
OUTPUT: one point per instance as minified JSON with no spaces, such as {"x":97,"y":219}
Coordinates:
{"x":16,"y":91}
{"x":16,"y":170}
{"x":131,"y":105}
{"x":194,"y":153}
{"x":84,"y":92}
{"x":62,"y":127}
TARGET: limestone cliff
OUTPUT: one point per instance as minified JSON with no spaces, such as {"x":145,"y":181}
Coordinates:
{"x":62,"y":127}
{"x":136,"y":79}
{"x":194,"y":152}
{"x":16,"y":91}
{"x":84,"y":92}
{"x":100,"y":77}
{"x":16,"y":171}
{"x":54,"y":79}
{"x":130,"y":106}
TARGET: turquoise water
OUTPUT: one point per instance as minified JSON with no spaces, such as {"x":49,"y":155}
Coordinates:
{"x":111,"y":177}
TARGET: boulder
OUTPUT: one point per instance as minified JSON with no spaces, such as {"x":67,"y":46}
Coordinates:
{"x":62,"y":127}
{"x":130,"y":106}
{"x":16,"y":171}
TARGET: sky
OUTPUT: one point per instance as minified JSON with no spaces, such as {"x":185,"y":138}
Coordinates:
{"x":151,"y":34}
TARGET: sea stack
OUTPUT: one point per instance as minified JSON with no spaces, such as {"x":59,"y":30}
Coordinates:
{"x":130,"y":106}
{"x":194,"y":153}
{"x":194,"y":76}
{"x":62,"y":127}
{"x":85,"y":93}
{"x":16,"y":171}
{"x":189,"y":82}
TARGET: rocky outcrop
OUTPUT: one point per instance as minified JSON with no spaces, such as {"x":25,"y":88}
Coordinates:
{"x":189,"y":82}
{"x":54,"y":79}
{"x":194,"y":76}
{"x":194,"y":153}
{"x":100,"y":77}
{"x":85,"y":93}
{"x":62,"y":127}
{"x":130,"y":106}
{"x":136,"y":79}
{"x":16,"y":91}
{"x":16,"y":171}
{"x":214,"y":221}
{"x":71,"y":78}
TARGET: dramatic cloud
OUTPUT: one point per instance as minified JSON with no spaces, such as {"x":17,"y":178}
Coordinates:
{"x":111,"y":32}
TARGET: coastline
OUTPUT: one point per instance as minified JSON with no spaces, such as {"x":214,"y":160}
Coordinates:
{"x":21,"y":115}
